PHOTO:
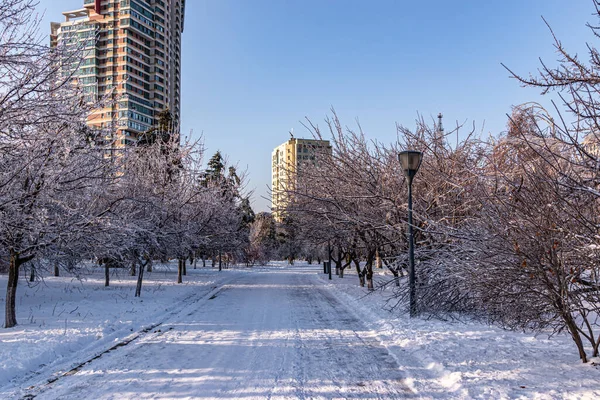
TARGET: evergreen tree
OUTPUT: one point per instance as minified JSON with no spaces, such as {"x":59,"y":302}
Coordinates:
{"x":214,"y":172}
{"x":247,"y":213}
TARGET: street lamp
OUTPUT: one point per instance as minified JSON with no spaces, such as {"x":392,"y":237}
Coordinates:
{"x":410,"y":160}
{"x":329,"y":258}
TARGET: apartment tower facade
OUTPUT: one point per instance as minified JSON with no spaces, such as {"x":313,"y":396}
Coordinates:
{"x":131,"y":55}
{"x":286,"y":161}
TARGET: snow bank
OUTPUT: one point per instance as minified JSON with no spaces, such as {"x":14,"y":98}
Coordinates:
{"x":471,"y":360}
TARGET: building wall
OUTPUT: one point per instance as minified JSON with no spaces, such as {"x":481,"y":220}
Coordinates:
{"x":285,"y":160}
{"x":132,"y":57}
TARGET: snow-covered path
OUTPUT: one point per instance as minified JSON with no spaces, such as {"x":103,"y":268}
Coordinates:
{"x":278,"y":334}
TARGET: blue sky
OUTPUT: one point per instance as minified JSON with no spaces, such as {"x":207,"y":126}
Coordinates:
{"x":253,"y":69}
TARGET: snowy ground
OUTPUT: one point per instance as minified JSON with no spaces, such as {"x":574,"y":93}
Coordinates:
{"x":470,"y":360}
{"x":270,"y":332}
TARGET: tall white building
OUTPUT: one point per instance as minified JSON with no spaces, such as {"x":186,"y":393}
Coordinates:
{"x":285,"y":160}
{"x":132,"y":52}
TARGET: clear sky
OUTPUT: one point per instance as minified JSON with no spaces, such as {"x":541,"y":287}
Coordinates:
{"x":252,"y":69}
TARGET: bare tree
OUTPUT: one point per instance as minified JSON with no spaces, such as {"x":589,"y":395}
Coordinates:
{"x":262,"y":241}
{"x":565,"y":147}
{"x":540,"y":258}
{"x":49,"y":168}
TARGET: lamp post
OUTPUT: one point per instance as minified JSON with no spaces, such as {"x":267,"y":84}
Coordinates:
{"x":329,"y":258}
{"x":410,"y":160}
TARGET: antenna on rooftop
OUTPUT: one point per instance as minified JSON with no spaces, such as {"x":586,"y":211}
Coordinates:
{"x":438,"y":134}
{"x":292,"y":133}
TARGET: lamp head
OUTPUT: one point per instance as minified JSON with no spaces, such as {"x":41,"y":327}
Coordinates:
{"x":410,"y":160}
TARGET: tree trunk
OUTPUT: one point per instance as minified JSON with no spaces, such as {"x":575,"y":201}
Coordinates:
{"x":11,"y":291}
{"x":106,"y":273}
{"x":395,"y":270}
{"x":220,"y":267}
{"x":138,"y":286}
{"x":361,"y":277}
{"x":396,"y":277}
{"x":572,"y":326}
{"x":149,"y":267}
{"x":369,"y":274}
{"x":203,"y":261}
{"x":338,"y":261}
{"x":378,"y":262}
{"x":133,"y":268}
{"x":56,"y":269}
{"x":184,"y":262}
{"x":346,"y":264}
{"x":32,"y":274}
{"x":370,"y":280}
{"x":369,"y":268}
{"x":179,"y":271}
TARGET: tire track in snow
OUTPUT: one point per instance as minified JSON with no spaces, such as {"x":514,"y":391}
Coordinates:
{"x":369,"y":340}
{"x":278,"y":335}
{"x":173,"y":311}
{"x":356,"y":364}
{"x":374,"y":334}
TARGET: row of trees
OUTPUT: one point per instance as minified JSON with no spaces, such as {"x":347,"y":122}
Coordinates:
{"x":270,"y":240}
{"x":68,"y":194}
{"x":507,"y":228}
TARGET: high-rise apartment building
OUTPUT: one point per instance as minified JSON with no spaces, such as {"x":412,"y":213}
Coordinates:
{"x":132,"y":53}
{"x":286,"y":162}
